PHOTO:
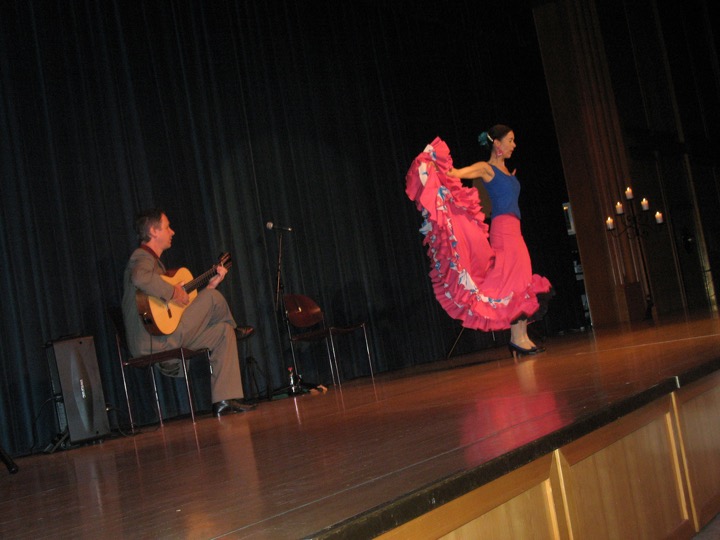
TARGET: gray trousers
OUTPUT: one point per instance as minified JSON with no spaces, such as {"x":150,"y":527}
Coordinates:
{"x":208,"y":323}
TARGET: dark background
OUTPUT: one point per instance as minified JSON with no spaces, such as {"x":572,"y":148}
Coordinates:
{"x":231,"y":114}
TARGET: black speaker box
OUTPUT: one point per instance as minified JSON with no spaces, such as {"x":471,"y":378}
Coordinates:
{"x":79,"y":397}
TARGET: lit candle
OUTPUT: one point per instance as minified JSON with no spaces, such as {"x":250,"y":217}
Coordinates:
{"x":619,"y":208}
{"x":645,"y":204}
{"x":658,"y":217}
{"x":610,"y":224}
{"x":628,"y":194}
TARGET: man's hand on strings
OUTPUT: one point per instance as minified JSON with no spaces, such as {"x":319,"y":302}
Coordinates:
{"x":215,"y":281}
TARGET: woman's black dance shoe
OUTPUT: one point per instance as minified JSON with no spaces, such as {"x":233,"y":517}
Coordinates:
{"x":519,"y":351}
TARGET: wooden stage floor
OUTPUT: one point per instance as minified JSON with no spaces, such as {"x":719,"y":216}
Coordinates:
{"x":343,"y":463}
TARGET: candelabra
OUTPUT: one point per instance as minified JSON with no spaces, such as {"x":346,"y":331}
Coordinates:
{"x":632,"y":222}
{"x":635,"y":224}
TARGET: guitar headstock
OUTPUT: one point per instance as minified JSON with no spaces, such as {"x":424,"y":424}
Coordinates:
{"x":224,"y":260}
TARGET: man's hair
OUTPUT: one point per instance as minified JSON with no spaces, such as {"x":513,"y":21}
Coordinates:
{"x":144,"y":220}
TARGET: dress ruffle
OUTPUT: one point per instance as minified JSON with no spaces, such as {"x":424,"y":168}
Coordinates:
{"x":482,"y":278}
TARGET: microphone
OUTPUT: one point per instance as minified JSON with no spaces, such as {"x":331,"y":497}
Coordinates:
{"x":270,"y":225}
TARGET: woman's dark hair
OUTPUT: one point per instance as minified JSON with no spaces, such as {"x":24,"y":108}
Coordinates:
{"x":152,"y":217}
{"x":498,"y":131}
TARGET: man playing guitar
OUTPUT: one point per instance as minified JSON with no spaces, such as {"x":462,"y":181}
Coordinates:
{"x":206,"y":321}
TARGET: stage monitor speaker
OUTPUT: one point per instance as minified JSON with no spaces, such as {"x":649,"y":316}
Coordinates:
{"x":78,"y":392}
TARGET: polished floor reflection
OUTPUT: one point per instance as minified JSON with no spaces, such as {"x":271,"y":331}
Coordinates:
{"x":296,"y":466}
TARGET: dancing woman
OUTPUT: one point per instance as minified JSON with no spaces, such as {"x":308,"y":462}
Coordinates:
{"x":481,"y":276}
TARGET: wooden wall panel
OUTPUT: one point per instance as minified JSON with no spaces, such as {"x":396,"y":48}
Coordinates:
{"x":625,"y":481}
{"x":698,"y":413}
{"x":517,"y":505}
{"x":652,"y":474}
{"x":529,"y":515}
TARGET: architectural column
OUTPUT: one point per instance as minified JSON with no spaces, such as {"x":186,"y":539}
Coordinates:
{"x":593,"y":156}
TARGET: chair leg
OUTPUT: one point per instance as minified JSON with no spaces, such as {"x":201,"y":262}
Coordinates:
{"x":125,"y":386}
{"x":333,"y":360}
{"x":8,"y":461}
{"x":127,"y":398}
{"x":248,"y":362}
{"x":367,"y":348}
{"x":183,"y":361}
{"x":157,"y":396}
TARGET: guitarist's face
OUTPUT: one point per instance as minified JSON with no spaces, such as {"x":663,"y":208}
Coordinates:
{"x":161,"y":236}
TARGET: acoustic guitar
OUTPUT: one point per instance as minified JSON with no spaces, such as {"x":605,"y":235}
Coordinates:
{"x":161,"y":317}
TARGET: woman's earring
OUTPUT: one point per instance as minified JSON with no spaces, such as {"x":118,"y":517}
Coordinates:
{"x":498,"y":152}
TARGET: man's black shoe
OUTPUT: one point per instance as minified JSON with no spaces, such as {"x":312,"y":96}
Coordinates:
{"x":243,"y":332}
{"x":231,"y":406}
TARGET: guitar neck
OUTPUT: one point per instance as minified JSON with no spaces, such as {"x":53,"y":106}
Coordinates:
{"x":201,"y":280}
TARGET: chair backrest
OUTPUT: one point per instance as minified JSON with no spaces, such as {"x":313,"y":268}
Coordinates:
{"x":302,"y":311}
{"x":116,"y":317}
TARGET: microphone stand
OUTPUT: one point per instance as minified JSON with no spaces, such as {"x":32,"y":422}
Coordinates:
{"x":296,"y":385}
{"x":279,"y":287}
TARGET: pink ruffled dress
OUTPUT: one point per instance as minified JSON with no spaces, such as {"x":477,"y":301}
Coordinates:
{"x":481,"y":275}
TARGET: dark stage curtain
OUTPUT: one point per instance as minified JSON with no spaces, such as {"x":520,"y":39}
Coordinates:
{"x":229,"y":115}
